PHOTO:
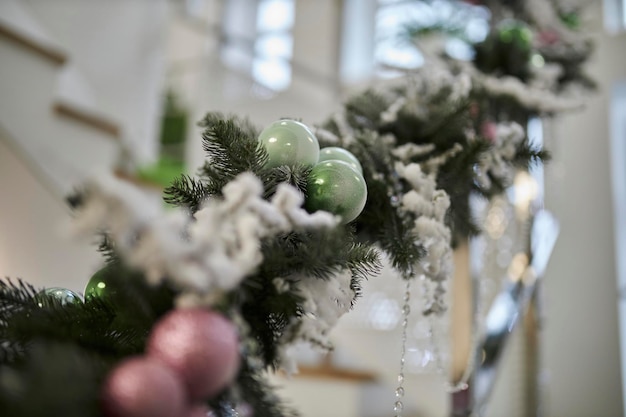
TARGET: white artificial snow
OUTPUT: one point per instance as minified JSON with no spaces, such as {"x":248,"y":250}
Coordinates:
{"x":430,"y":205}
{"x":497,"y":161}
{"x":325,"y":301}
{"x":204,"y":257}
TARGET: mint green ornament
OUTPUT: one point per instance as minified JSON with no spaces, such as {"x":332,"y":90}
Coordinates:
{"x":62,"y":295}
{"x":289,"y":142}
{"x":336,"y":153}
{"x":336,"y":187}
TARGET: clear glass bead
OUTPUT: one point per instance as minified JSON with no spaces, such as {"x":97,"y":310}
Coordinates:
{"x":399,"y":392}
{"x":398,"y":406}
{"x":400,"y":378}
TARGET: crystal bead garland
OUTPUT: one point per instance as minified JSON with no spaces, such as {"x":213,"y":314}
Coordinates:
{"x":398,"y":406}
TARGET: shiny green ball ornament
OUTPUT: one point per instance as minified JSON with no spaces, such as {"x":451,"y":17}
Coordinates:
{"x":103,"y":284}
{"x":336,"y":187}
{"x":61,"y":295}
{"x":289,"y":142}
{"x":340,"y":154}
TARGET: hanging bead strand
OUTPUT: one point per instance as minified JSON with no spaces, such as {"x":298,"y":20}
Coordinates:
{"x":398,"y":406}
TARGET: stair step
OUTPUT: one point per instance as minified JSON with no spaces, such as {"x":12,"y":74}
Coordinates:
{"x":18,"y":27}
{"x":87,"y":118}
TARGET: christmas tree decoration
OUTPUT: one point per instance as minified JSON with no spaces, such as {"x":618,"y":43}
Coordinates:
{"x":60,"y":295}
{"x":507,"y":50}
{"x":199,"y":410}
{"x":336,"y":187}
{"x":267,"y":244}
{"x":289,"y":142}
{"x":202,"y":347}
{"x":143,"y":387}
{"x":102,"y":284}
{"x":340,"y":154}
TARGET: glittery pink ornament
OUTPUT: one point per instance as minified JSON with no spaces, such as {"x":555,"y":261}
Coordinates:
{"x":489,"y":130}
{"x":200,"y":346}
{"x":548,"y":37}
{"x":143,"y":387}
{"x":199,"y":410}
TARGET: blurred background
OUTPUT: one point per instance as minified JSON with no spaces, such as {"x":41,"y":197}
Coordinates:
{"x":90,"y":87}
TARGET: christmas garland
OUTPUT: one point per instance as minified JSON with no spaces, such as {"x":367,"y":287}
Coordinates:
{"x":265,"y":248}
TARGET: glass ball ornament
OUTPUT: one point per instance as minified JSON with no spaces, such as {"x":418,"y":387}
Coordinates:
{"x":102,"y":284}
{"x":289,"y":142}
{"x":62,"y":295}
{"x":143,"y":387}
{"x":334,"y":186}
{"x":340,"y":154}
{"x":201,"y":346}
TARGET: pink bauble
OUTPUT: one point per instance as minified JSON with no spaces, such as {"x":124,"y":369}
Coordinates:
{"x":199,"y":410}
{"x":489,"y":130}
{"x":200,"y":346}
{"x":143,"y":387}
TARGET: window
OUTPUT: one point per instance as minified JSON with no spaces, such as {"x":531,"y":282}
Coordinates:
{"x":456,"y":24}
{"x":389,"y":46}
{"x":618,"y":164}
{"x":615,"y":15}
{"x":257,"y":39}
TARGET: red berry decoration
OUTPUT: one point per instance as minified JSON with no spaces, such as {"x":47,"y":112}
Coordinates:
{"x":143,"y":387}
{"x":200,"y":346}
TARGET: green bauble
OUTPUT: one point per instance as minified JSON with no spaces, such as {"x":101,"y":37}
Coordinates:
{"x":516,"y":33}
{"x":62,"y":295}
{"x":104,"y":284}
{"x":289,"y":143}
{"x":336,"y":187}
{"x":128,"y":292}
{"x":340,"y":154}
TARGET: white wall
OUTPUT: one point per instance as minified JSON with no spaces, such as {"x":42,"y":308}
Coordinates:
{"x":581,"y":322}
{"x":34,"y":244}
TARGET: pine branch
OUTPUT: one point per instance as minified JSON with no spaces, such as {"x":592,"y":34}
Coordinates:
{"x":267,"y":312}
{"x":363,"y":261}
{"x":106,"y":247}
{"x":318,"y":253}
{"x":256,"y":392}
{"x":296,"y":176}
{"x":364,"y":110}
{"x":244,"y":124}
{"x":456,"y":177}
{"x":527,"y":155}
{"x":15,"y":298}
{"x":56,"y":380}
{"x":188,"y":192}
{"x":262,"y":398}
{"x":232,"y":147}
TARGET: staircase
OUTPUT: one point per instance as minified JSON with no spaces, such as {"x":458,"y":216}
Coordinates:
{"x":65,"y":138}
{"x":56,"y":131}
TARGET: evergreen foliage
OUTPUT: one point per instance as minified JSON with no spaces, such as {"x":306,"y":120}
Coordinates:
{"x":44,"y":343}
